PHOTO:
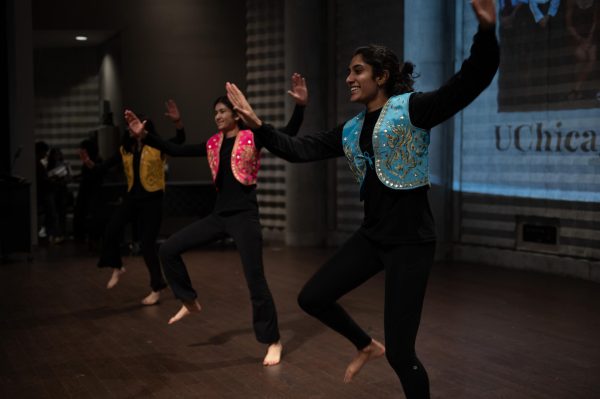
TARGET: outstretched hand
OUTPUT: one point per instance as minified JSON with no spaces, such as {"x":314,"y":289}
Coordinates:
{"x":136,"y":127}
{"x":299,"y":91}
{"x":172,"y":111}
{"x":485,"y":11}
{"x":242,"y":107}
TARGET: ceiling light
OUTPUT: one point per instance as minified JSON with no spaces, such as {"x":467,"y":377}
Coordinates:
{"x":81,"y":38}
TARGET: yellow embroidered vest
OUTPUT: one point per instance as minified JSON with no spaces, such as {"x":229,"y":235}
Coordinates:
{"x":152,"y":174}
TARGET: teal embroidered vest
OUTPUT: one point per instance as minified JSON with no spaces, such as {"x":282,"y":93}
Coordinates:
{"x":401,"y":150}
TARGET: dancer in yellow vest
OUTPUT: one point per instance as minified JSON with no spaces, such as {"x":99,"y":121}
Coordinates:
{"x":143,"y":203}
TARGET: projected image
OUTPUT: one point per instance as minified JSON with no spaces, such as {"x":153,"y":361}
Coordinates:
{"x":549,"y":55}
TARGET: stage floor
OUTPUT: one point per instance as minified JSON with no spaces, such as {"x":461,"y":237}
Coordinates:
{"x":485,"y":333}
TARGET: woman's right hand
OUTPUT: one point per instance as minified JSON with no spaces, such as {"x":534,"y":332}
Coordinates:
{"x":242,"y":107}
{"x":137,"y":128}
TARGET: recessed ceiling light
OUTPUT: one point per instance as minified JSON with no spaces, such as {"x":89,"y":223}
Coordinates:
{"x":81,"y":38}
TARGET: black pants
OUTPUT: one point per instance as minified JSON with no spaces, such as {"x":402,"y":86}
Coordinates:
{"x":244,"y":228}
{"x":55,"y":205}
{"x":87,"y":212}
{"x":149,"y":218}
{"x":406,"y":272}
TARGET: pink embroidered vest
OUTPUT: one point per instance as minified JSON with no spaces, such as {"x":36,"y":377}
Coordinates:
{"x":245,"y":158}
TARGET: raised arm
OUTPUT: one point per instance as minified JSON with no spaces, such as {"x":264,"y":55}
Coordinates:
{"x":175,"y":116}
{"x":432,"y":108}
{"x":293,"y":126}
{"x":305,"y":148}
{"x":175,"y":150}
{"x":299,"y":92}
{"x":137,"y":128}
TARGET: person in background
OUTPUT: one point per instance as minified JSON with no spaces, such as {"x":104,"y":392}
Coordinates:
{"x":86,"y":223}
{"x":42,"y":185}
{"x":58,"y":196}
{"x":144,"y":170}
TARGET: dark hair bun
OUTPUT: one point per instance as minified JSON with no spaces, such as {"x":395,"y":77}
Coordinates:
{"x":407,"y":68}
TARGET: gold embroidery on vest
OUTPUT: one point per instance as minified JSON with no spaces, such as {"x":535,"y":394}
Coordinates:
{"x":401,"y":161}
{"x":152,"y":173}
{"x":127,"y":159}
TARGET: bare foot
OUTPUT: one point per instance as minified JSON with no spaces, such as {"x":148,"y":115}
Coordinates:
{"x":374,"y":350}
{"x":186,"y":309}
{"x":151,"y":299}
{"x":273,"y":355}
{"x":114,"y":279}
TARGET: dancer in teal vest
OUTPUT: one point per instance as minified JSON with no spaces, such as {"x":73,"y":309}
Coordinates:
{"x":387,"y":149}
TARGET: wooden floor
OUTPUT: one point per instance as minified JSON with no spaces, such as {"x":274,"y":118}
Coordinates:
{"x":486,"y":333}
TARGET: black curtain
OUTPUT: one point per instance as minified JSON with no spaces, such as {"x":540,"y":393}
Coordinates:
{"x":5,"y":114}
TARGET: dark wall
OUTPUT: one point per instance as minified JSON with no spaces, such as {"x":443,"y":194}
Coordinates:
{"x":67,"y":104}
{"x":185,"y":50}
{"x":353,"y":31}
{"x":4,"y":116}
{"x":71,"y":14}
{"x":181,"y":49}
{"x":75,"y":65}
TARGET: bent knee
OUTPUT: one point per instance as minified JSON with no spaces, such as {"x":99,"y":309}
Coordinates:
{"x":167,"y":251}
{"x":308,"y":302}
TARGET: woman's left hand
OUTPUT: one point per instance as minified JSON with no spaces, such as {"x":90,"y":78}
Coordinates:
{"x":485,"y":11}
{"x":299,"y":91}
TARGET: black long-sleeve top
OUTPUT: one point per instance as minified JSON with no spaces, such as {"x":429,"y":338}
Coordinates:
{"x":137,"y":190}
{"x":90,"y":182}
{"x":393,"y":217}
{"x":232,"y":196}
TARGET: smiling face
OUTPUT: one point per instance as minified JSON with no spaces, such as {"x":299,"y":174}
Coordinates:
{"x":364,"y":87}
{"x":225,"y":118}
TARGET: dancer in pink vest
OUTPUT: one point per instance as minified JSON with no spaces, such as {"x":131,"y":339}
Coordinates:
{"x":234,"y":158}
